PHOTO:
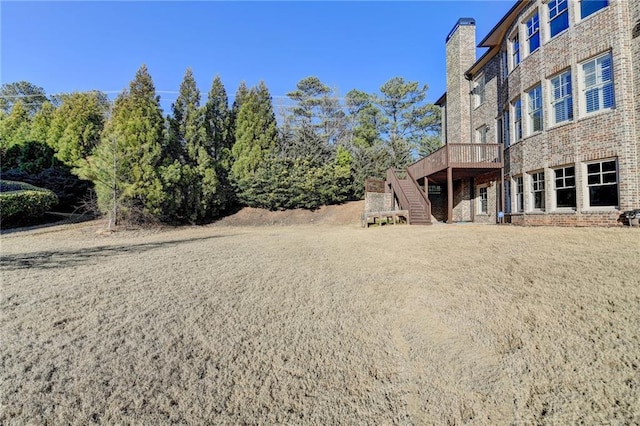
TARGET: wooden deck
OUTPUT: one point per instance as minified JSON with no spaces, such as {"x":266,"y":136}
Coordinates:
{"x":458,"y":156}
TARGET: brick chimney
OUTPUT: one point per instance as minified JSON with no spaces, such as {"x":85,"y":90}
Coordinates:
{"x":461,"y":55}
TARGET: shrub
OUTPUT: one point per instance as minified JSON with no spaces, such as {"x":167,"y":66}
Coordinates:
{"x":20,"y":201}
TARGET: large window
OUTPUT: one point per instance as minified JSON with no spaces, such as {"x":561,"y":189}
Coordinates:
{"x":565,"y":179}
{"x":598,"y":84}
{"x":517,"y":119}
{"x":602,"y":180}
{"x":515,"y":50}
{"x":482,"y":200}
{"x":562,"y":99}
{"x":535,"y":109}
{"x":479,"y":90}
{"x":533,"y":33}
{"x":588,"y":7}
{"x":519,"y":194}
{"x":507,"y":196}
{"x":537,"y":190}
{"x":558,"y":17}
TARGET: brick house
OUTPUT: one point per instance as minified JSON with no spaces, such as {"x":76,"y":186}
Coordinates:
{"x":544,"y":127}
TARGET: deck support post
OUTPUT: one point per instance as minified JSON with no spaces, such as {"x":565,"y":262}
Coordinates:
{"x":449,"y":195}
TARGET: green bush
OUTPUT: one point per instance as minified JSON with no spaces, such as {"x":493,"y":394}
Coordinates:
{"x":20,"y":200}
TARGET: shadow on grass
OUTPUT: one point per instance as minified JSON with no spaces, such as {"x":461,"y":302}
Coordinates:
{"x":65,"y":259}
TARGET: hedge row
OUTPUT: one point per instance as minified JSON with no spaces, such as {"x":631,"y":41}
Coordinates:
{"x":20,"y":200}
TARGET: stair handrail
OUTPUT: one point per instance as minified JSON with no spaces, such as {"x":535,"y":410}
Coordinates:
{"x":392,"y":178}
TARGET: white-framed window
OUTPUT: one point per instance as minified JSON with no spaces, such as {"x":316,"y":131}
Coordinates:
{"x":602,"y":182}
{"x":478,"y":90}
{"x":481,"y":134}
{"x":505,"y":129}
{"x":558,"y":16}
{"x":535,"y":109}
{"x":516,"y":106}
{"x":598,"y":92}
{"x":504,"y":64}
{"x":514,"y":41}
{"x":565,"y":187}
{"x":483,"y":200}
{"x":533,"y":33}
{"x":537,"y":190}
{"x":589,"y":7}
{"x":519,"y":184}
{"x":562,"y":97}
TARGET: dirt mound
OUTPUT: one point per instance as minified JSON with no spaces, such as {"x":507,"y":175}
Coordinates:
{"x":343,"y":214}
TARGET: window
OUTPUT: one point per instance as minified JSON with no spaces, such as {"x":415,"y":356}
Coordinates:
{"x":537,"y":190}
{"x":482,"y":200}
{"x":481,"y":134}
{"x":504,"y":62}
{"x":565,"y":187}
{"x":517,"y":119}
{"x":558,"y":17}
{"x":588,"y":7}
{"x":562,"y":102}
{"x":533,"y":33}
{"x":535,"y":109}
{"x":515,"y":51}
{"x":478,"y":90}
{"x":519,"y":194}
{"x":602,"y":181}
{"x":598,"y":84}
{"x":505,"y":130}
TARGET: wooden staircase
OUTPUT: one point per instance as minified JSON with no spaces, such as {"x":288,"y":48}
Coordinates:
{"x":416,"y":209}
{"x":410,"y":196}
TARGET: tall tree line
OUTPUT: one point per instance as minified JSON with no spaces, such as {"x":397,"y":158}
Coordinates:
{"x":203,"y":159}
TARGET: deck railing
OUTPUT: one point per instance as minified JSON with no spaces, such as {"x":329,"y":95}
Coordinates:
{"x":458,"y":155}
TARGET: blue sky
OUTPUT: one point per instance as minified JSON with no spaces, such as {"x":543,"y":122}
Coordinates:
{"x":69,"y":46}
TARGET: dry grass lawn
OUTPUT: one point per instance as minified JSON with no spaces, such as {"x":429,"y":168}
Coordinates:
{"x":321,"y":324}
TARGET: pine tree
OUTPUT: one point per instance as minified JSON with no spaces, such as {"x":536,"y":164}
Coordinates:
{"x":41,"y":124}
{"x":15,"y":126}
{"x":217,"y":120}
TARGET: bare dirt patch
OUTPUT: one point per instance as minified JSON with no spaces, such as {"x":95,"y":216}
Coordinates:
{"x":321,"y":324}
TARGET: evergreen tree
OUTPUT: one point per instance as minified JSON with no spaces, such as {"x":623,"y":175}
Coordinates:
{"x":256,"y":133}
{"x":31,"y":96}
{"x":241,"y":95}
{"x":76,"y":125}
{"x":41,"y":123}
{"x":217,"y":120}
{"x":15,"y":126}
{"x":130,"y":153}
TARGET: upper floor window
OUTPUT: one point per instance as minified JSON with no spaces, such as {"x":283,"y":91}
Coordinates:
{"x":533,"y":33}
{"x":535,"y":109}
{"x":517,"y":119}
{"x":602,"y":180}
{"x":588,"y":7}
{"x":562,"y":99}
{"x":479,"y":90}
{"x":481,"y":134}
{"x":558,"y":17}
{"x":515,"y":50}
{"x":598,"y":84}
{"x":505,"y":130}
{"x":504,"y":63}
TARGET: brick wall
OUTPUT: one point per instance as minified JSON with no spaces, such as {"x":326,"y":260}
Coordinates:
{"x":461,"y":54}
{"x":608,"y":135}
